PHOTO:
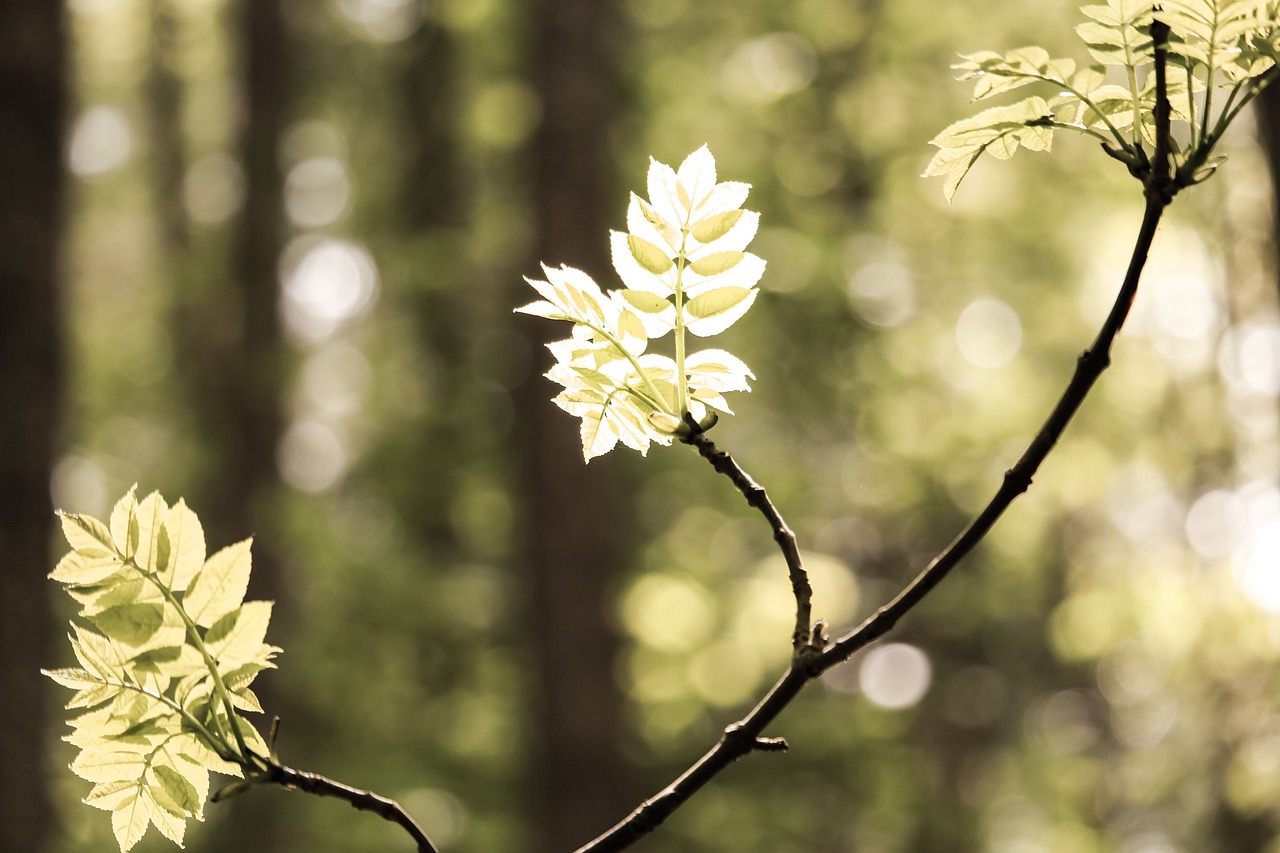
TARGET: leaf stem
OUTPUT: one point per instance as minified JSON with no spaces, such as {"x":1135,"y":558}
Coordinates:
{"x":682,"y":390}
{"x":247,"y":756}
{"x":658,"y":400}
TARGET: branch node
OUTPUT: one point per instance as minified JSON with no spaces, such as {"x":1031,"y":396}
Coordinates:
{"x":770,"y":744}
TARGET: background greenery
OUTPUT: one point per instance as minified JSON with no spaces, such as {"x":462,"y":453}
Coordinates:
{"x":1100,"y":676}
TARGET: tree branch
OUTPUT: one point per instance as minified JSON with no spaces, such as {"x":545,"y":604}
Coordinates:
{"x":695,"y":436}
{"x":744,"y":736}
{"x":367,"y":801}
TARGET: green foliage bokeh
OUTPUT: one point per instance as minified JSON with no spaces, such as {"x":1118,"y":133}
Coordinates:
{"x":1099,"y":677}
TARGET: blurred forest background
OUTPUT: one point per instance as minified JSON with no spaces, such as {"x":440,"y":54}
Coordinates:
{"x":263,"y":254}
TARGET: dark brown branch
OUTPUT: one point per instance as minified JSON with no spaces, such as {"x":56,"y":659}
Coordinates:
{"x":744,"y":736}
{"x":756,"y":496}
{"x":365,"y":801}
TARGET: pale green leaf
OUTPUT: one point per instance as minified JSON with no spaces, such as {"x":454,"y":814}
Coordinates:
{"x":109,"y":766}
{"x":735,"y":239}
{"x":110,"y":795}
{"x":124,"y":588}
{"x":745,"y":273}
{"x":697,"y":179}
{"x":238,"y":636}
{"x":152,"y":542}
{"x":597,"y":433}
{"x":85,"y":533}
{"x":997,"y":131}
{"x":996,"y":74}
{"x":717,"y":263}
{"x":99,"y":655}
{"x":664,"y":196}
{"x":245,"y":700}
{"x":88,"y":697}
{"x":647,"y":303}
{"x":716,"y":310}
{"x":644,"y":221}
{"x":714,"y":227}
{"x":131,"y":624}
{"x":87,"y":567}
{"x":649,"y":256}
{"x":1119,"y":33}
{"x":220,"y":586}
{"x":634,"y":276}
{"x":131,"y":817}
{"x":717,"y":370}
{"x":186,"y":545}
{"x":172,"y":826}
{"x":124,"y":522}
{"x":175,"y":791}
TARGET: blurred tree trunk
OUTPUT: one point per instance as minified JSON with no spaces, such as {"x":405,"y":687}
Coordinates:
{"x":571,"y":552}
{"x":255,"y":394}
{"x":167,"y":153}
{"x":1268,"y":116}
{"x":33,"y":81}
{"x":1252,"y":832}
{"x":239,"y":348}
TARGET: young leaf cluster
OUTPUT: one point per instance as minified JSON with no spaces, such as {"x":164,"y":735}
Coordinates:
{"x":684,"y":269}
{"x":1214,"y":46}
{"x":167,"y":649}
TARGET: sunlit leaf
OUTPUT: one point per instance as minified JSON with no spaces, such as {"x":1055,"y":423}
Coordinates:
{"x":649,"y":256}
{"x":87,"y":567}
{"x":109,"y":766}
{"x":124,"y":522}
{"x":85,"y":533}
{"x":151,"y":681}
{"x":717,"y":263}
{"x":998,"y":131}
{"x":996,"y":74}
{"x":186,"y":544}
{"x":238,"y":636}
{"x":716,"y":310}
{"x":131,"y":624}
{"x":131,"y":816}
{"x":714,"y":227}
{"x":220,"y":585}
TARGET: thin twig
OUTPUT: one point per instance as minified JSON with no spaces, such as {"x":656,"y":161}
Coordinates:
{"x":744,"y":736}
{"x":756,"y":496}
{"x":366,"y":801}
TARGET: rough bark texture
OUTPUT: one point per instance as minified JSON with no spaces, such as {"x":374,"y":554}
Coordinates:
{"x":33,"y":81}
{"x":579,"y":773}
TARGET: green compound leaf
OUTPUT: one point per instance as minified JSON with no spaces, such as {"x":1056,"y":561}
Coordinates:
{"x":998,"y":131}
{"x":996,"y":74}
{"x":167,"y":649}
{"x":1118,"y":33}
{"x":684,"y":246}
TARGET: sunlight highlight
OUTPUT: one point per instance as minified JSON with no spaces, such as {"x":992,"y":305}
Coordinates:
{"x":327,"y":284}
{"x":895,"y":676}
